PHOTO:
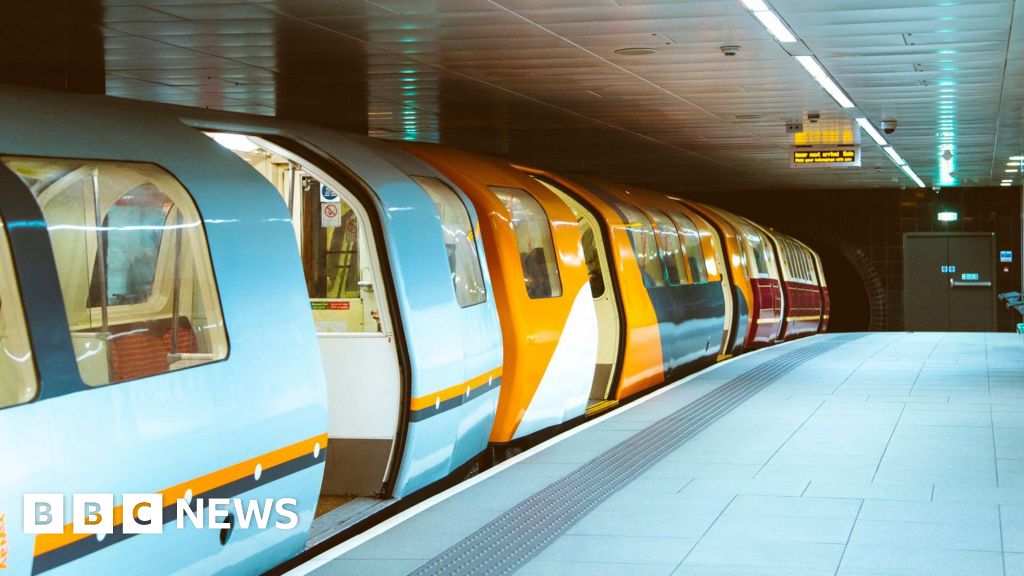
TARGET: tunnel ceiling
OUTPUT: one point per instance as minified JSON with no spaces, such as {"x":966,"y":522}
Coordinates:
{"x":540,"y":80}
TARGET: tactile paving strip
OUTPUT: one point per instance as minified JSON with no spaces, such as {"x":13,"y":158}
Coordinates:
{"x":522,"y":532}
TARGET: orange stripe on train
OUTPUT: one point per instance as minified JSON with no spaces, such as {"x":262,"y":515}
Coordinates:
{"x":49,"y":542}
{"x":435,"y":398}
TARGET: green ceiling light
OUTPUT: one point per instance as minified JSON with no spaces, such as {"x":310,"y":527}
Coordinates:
{"x":948,"y":216}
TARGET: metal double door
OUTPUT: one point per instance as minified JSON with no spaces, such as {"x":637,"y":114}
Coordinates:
{"x":949,"y":282}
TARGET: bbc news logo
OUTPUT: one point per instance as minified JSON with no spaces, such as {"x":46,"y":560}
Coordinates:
{"x":144,"y":513}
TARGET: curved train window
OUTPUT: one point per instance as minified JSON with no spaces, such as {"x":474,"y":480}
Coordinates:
{"x":590,"y":248}
{"x":536,"y":247}
{"x":459,"y":239}
{"x":758,"y":263}
{"x":133,"y":264}
{"x":18,"y":382}
{"x":641,"y":235}
{"x":771,"y":267}
{"x":691,"y":243}
{"x":668,"y":244}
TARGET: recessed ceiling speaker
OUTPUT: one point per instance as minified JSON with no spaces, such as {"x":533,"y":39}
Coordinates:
{"x":635,"y":51}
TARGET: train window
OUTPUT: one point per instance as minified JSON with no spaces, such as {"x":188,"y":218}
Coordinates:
{"x":641,"y":234}
{"x":758,"y":261}
{"x":691,"y":243}
{"x":459,"y":239}
{"x":668,"y":244}
{"x":133,"y":264}
{"x":536,"y":247}
{"x":18,"y":382}
{"x":768,"y":253}
{"x":590,"y":248}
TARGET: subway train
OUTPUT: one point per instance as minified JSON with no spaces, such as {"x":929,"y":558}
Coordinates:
{"x":203,"y":305}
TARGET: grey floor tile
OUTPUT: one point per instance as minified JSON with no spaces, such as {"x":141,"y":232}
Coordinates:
{"x":904,"y":561}
{"x":793,"y":556}
{"x":550,"y":568}
{"x":360,"y":567}
{"x":1014,"y":564}
{"x":617,"y":549}
{"x":939,"y":536}
{"x":913,"y":491}
{"x":781,"y":528}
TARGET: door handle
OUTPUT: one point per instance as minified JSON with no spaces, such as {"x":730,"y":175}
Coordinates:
{"x":958,"y":284}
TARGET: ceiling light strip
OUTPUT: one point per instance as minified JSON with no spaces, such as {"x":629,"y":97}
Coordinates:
{"x":873,"y":132}
{"x":778,"y":29}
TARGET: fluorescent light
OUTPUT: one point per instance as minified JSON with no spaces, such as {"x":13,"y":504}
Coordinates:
{"x":774,"y":24}
{"x":819,"y":74}
{"x":910,"y":172}
{"x":948,"y":216}
{"x":1012,"y":170}
{"x":755,"y":5}
{"x":868,"y":127}
{"x":1016,"y":157}
{"x":1014,"y":163}
{"x":894,"y":155}
{"x":236,"y":142}
{"x":1005,"y":184}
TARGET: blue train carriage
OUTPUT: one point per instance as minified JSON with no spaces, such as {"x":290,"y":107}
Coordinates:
{"x":156,"y":337}
{"x":401,"y":298}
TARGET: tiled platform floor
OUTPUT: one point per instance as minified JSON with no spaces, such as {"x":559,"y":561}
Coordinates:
{"x":895,"y":454}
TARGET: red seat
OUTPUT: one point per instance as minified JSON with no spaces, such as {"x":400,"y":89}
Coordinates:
{"x":139,"y":350}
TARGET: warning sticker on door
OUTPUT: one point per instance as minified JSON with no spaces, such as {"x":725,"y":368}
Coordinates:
{"x":330,"y":214}
{"x":330,"y":305}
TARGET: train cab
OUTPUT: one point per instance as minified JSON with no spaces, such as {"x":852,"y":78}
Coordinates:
{"x":542,"y":288}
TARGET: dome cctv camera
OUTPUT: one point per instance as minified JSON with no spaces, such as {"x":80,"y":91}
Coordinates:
{"x":888,"y":126}
{"x":729,"y":50}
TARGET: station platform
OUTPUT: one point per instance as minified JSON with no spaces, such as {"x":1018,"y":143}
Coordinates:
{"x":882,"y":453}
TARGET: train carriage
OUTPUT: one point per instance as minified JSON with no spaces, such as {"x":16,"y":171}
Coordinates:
{"x":803,"y":294}
{"x":401,"y":300}
{"x":754,"y":273}
{"x":533,"y":246}
{"x":169,"y":346}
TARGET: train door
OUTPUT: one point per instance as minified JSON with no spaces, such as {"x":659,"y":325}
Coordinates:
{"x":354,"y":328}
{"x":605,"y":301}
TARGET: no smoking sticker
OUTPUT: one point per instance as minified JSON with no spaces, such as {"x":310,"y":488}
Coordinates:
{"x":330,"y":215}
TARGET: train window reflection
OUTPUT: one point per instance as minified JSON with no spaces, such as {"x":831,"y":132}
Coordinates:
{"x":641,"y":235}
{"x":459,"y":240}
{"x":133,"y":264}
{"x":691,"y":244}
{"x":18,"y":382}
{"x":533,"y":236}
{"x":671,"y":252}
